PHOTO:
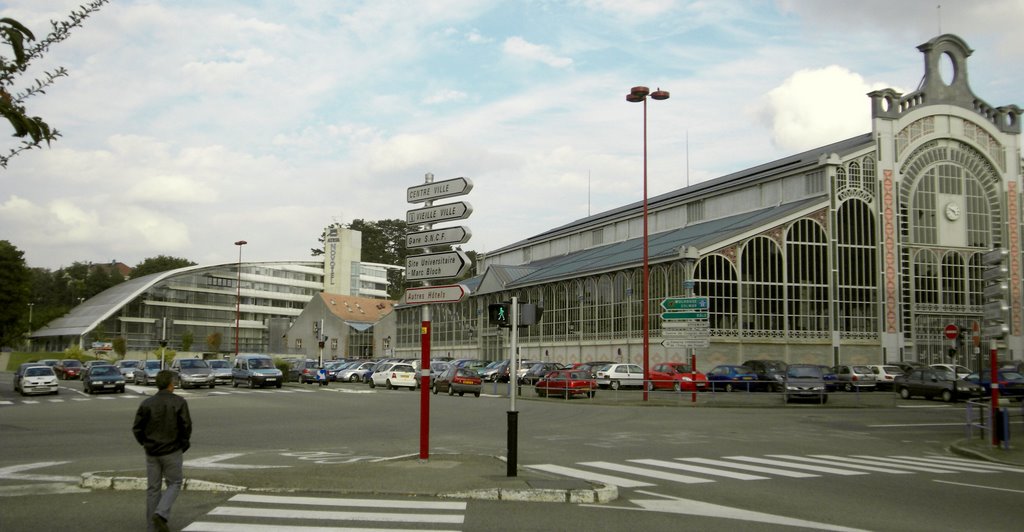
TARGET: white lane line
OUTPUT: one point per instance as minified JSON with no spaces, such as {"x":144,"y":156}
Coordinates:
{"x":588,"y":475}
{"x":699,"y":469}
{"x":977,"y":486}
{"x":748,"y":467}
{"x":828,"y":462}
{"x":868,"y":461}
{"x":902,"y":425}
{"x":941,"y":462}
{"x":366,"y":503}
{"x":15,"y":472}
{"x":30,"y":402}
{"x":950,"y":467}
{"x":6,"y":402}
{"x":683,"y":479}
{"x":977,"y":463}
{"x":206,"y":526}
{"x":285,"y":513}
{"x":780,"y":463}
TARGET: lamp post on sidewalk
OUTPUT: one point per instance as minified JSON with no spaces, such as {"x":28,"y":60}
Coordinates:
{"x":238,"y":293}
{"x":640,"y":94}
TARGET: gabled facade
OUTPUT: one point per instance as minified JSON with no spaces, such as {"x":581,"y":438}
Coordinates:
{"x":860,"y":251}
{"x":346,"y":322}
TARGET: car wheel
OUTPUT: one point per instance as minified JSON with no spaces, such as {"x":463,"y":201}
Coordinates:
{"x":212,"y":385}
{"x":677,"y":387}
{"x":540,"y":393}
{"x":729,"y":387}
{"x":462,"y":394}
{"x":905,"y":393}
{"x":476,"y":394}
{"x":412,"y":388}
{"x":650,"y":386}
{"x":252,"y":383}
{"x":388,"y":384}
{"x":372,"y":384}
{"x":590,"y":394}
{"x":120,"y":390}
{"x":353,"y":378}
{"x":234,"y":383}
{"x":434,"y":389}
{"x":614,"y":385}
{"x":824,"y":399}
{"x":848,"y":387}
{"x":947,"y":396}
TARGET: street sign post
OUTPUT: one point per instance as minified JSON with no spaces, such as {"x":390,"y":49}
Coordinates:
{"x":690,"y":343}
{"x":951,"y":331}
{"x":685,"y":303}
{"x":435,"y":294}
{"x":448,"y":188}
{"x":694,"y":315}
{"x":444,"y":265}
{"x":460,"y":210}
{"x":438,"y":237}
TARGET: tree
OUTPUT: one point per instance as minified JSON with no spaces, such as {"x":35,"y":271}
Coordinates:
{"x":16,"y":280}
{"x":186,"y":340}
{"x":384,"y":243}
{"x":160,"y":263}
{"x":120,"y":346}
{"x":12,"y":100}
{"x":213,"y":341}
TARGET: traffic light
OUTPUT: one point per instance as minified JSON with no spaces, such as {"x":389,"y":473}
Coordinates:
{"x":500,"y":314}
{"x":529,"y":314}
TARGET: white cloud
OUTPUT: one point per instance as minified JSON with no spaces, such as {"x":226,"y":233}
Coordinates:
{"x":816,"y":107}
{"x":519,"y":47}
{"x":443,"y":96}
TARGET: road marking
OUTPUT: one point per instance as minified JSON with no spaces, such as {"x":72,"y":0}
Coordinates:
{"x":204,"y":526}
{"x":213,"y":462}
{"x":366,"y":503}
{"x":903,"y":425}
{"x":870,"y":461}
{"x":385,"y":517}
{"x":14,"y":472}
{"x":941,"y":462}
{"x":977,"y":486}
{"x":824,"y":461}
{"x":683,"y":479}
{"x":780,"y":463}
{"x":699,"y":469}
{"x":979,"y":463}
{"x":747,"y":467}
{"x":587,"y":475}
{"x":6,"y":402}
{"x":932,"y":465}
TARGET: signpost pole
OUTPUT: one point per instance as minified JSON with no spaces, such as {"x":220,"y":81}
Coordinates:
{"x":513,"y":382}
{"x":425,"y":363}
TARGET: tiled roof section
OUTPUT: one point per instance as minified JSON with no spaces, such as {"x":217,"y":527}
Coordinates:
{"x":355,"y":308}
{"x":661,"y":246}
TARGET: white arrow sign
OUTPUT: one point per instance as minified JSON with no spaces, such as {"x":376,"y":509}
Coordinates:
{"x":445,"y":265}
{"x":459,"y":210}
{"x":438,"y":189}
{"x":438,"y":237}
{"x":693,"y":343}
{"x":435,"y":294}
{"x":213,"y":462}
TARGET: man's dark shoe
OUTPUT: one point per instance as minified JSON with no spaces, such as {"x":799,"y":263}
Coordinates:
{"x":160,"y":523}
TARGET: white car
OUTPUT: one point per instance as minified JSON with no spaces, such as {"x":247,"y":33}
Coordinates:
{"x":396,"y":375}
{"x":128,"y":367}
{"x":885,"y":375}
{"x":615,"y":376}
{"x":960,"y":371}
{"x":37,"y":379}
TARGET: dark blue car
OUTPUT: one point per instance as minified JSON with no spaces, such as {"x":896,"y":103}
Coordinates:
{"x":1011,"y":383}
{"x":729,"y":378}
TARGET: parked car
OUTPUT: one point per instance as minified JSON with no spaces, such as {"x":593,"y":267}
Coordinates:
{"x":770,"y":373}
{"x":592,"y":366}
{"x":35,"y":378}
{"x":1011,"y":383}
{"x":332,"y":367}
{"x":52,"y":362}
{"x":885,"y":375}
{"x":931,"y":382}
{"x":804,"y":381}
{"x":566,"y":383}
{"x":909,"y":365}
{"x":378,"y":366}
{"x":221,"y":370}
{"x":127,"y":368}
{"x":69,"y":368}
{"x":93,"y":363}
{"x":616,"y":376}
{"x":960,"y":371}
{"x":496,"y":371}
{"x":538,"y":370}
{"x":192,"y":372}
{"x":855,"y":377}
{"x":523,"y":367}
{"x":831,"y":379}
{"x":21,"y":369}
{"x":356,"y":372}
{"x":395,"y":375}
{"x":255,"y":370}
{"x":305,"y":371}
{"x":457,"y":380}
{"x":471,"y":363}
{"x":677,"y":376}
{"x":730,"y":378}
{"x":146,"y":372}
{"x":103,"y":377}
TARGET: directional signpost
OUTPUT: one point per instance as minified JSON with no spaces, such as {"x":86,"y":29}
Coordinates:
{"x":459,"y":210}
{"x":460,"y":186}
{"x":429,"y":266}
{"x":685,"y":322}
{"x":435,"y":294}
{"x":438,"y":237}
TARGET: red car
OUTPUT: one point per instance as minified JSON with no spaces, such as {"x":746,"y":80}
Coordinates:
{"x":678,"y":377}
{"x":69,"y":368}
{"x":566,"y":383}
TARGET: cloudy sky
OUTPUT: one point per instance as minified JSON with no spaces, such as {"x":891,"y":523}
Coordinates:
{"x":190,"y":125}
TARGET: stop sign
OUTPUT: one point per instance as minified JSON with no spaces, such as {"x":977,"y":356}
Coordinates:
{"x":952,"y":331}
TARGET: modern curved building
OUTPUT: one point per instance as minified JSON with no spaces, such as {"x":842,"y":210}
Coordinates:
{"x":860,"y":251}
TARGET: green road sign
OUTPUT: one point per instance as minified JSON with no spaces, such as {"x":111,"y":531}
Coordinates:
{"x":696,"y":315}
{"x":685,"y":303}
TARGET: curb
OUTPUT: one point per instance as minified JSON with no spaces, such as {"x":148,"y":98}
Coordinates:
{"x":599,"y":495}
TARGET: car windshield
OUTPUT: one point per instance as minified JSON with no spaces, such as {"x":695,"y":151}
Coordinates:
{"x":1012,"y":376}
{"x":943,"y":373}
{"x":152,"y":364}
{"x":192,"y":363}
{"x":38,"y":371}
{"x":105,"y":370}
{"x":219,"y":364}
{"x":803,"y":372}
{"x":861,"y":369}
{"x":129,"y":363}
{"x":260,"y":363}
{"x":72,"y":364}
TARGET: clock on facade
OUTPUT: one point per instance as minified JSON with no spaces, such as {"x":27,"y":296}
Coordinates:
{"x":952,"y":211}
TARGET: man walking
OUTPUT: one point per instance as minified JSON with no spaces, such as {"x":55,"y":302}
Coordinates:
{"x":163,"y":427}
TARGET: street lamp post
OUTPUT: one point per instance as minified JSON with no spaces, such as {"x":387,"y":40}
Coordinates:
{"x":238,"y":293}
{"x":640,"y":94}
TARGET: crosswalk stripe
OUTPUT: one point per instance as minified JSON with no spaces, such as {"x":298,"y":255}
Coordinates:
{"x":867,"y":461}
{"x":933,"y":466}
{"x":587,"y":475}
{"x":974,"y":468}
{"x":286,"y":513}
{"x":699,"y":469}
{"x":748,"y":467}
{"x":683,"y":479}
{"x":824,"y":461}
{"x":977,"y":463}
{"x":780,"y":463}
{"x":206,"y":526}
{"x":365,"y":503}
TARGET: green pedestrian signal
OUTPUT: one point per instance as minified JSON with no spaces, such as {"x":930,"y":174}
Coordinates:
{"x":498,"y":314}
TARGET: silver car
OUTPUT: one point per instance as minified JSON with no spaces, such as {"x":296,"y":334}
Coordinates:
{"x":852,"y":377}
{"x":221,"y":371}
{"x":192,"y":372}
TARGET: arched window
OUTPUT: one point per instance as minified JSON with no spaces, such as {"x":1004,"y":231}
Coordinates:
{"x":954,"y":279}
{"x":762,"y":310}
{"x":857,"y":266}
{"x":807,"y":278}
{"x":926,"y":278}
{"x":716,"y":278}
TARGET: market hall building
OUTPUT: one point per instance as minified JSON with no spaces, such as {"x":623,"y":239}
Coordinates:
{"x":861,"y":251}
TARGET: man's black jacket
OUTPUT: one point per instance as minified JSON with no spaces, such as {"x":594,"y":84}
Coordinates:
{"x":162,"y":424}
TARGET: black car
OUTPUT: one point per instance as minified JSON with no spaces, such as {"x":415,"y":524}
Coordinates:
{"x":930,"y":382}
{"x":539,"y":370}
{"x":770,"y":373}
{"x":103,"y":377}
{"x":805,"y":382}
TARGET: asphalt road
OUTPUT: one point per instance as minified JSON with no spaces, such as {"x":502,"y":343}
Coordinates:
{"x":710,"y":466}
